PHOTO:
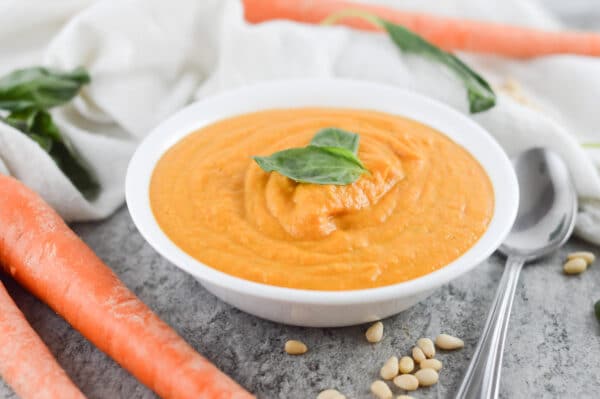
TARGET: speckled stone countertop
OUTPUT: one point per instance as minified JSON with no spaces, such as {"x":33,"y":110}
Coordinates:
{"x":553,"y":344}
{"x":552,"y":349}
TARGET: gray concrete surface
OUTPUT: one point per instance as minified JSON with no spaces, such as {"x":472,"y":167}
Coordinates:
{"x":553,"y":348}
{"x":553,"y":343}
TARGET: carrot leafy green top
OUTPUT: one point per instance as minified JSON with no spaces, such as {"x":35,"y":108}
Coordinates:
{"x":330,"y":158}
{"x":480,"y":95}
{"x":26,"y":95}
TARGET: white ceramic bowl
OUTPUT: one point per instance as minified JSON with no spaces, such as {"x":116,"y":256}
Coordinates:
{"x":322,"y":308}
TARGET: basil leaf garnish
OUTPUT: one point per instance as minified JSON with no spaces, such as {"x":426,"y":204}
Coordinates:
{"x":331,"y":158}
{"x":334,"y":137}
{"x":317,"y":165}
{"x":27,"y":94}
{"x":480,"y":95}
{"x":40,"y":88}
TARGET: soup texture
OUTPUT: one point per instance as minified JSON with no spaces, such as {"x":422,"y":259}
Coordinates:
{"x":425,"y":202}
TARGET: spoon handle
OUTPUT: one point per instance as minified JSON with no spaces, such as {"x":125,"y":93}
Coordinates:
{"x":482,"y":379}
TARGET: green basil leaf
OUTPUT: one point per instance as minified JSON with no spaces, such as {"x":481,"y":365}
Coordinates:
{"x":334,"y":137}
{"x":44,"y":141}
{"x":27,"y":94}
{"x":480,"y":95}
{"x":40,"y":88}
{"x":317,"y":165}
{"x":39,"y":126}
{"x":344,"y":153}
{"x":22,"y":119}
{"x":66,"y":157}
{"x":597,"y":310}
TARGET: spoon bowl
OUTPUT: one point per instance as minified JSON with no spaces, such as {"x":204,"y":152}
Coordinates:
{"x":545,"y":221}
{"x":547,"y":208}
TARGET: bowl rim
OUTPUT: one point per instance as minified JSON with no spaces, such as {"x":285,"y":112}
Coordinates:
{"x":337,"y":93}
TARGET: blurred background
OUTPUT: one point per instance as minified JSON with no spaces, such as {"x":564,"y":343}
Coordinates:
{"x":584,"y":14}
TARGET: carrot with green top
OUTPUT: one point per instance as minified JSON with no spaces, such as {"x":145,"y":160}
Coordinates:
{"x":26,"y":364}
{"x":45,"y":256}
{"x":447,"y":33}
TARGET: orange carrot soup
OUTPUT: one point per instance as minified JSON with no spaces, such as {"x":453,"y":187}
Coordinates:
{"x":424,"y":202}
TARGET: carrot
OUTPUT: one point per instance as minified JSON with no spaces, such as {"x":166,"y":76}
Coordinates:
{"x":26,"y":364}
{"x":40,"y":251}
{"x":447,"y":33}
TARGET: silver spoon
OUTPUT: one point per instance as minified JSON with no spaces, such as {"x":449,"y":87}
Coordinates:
{"x":545,"y":220}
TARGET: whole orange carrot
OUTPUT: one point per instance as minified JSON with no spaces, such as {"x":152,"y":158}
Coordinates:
{"x":40,"y":251}
{"x":26,"y":364}
{"x":447,"y":33}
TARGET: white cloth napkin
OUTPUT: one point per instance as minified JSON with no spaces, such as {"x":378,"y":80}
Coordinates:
{"x":147,"y":59}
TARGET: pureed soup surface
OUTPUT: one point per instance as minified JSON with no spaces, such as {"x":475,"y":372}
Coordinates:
{"x":425,"y":202}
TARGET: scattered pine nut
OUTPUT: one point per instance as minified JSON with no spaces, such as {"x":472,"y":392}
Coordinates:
{"x":375,"y":332}
{"x":431,"y":364}
{"x":331,"y":394}
{"x":575,"y":266}
{"x":589,"y":257}
{"x":406,"y":365}
{"x":426,"y":346}
{"x":408,"y":382}
{"x":389,"y":369}
{"x":293,"y":347}
{"x":381,"y":390}
{"x":418,"y":355}
{"x":404,"y":397}
{"x":448,"y":342}
{"x":427,"y":377}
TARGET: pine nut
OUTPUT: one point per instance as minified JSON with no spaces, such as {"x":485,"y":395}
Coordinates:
{"x":575,"y":266}
{"x":406,"y":365}
{"x":408,"y":382}
{"x":404,"y":397}
{"x":426,"y":346}
{"x":589,"y":257}
{"x":331,"y":394}
{"x":375,"y":332}
{"x":448,"y":342}
{"x":389,"y":369}
{"x":294,"y":347}
{"x":418,"y":355}
{"x":431,"y":364}
{"x":381,"y":390}
{"x":427,"y":377}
